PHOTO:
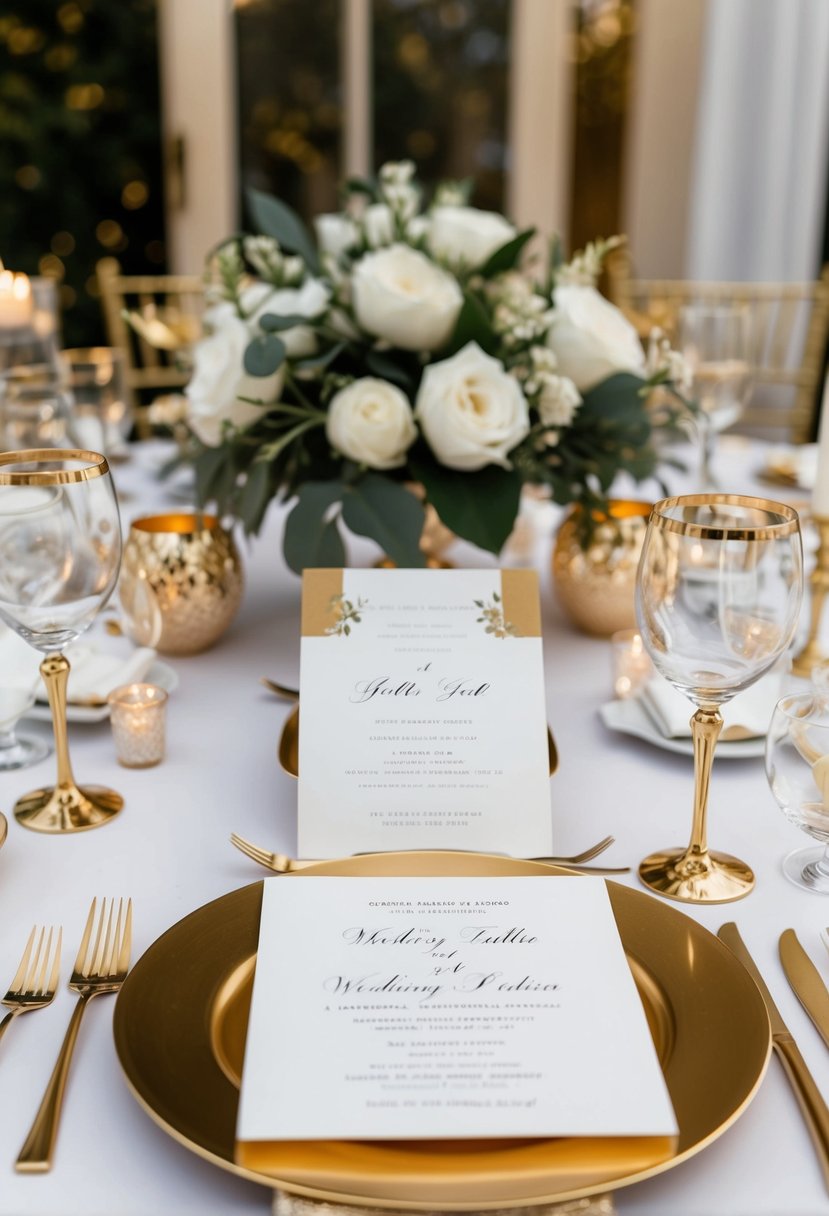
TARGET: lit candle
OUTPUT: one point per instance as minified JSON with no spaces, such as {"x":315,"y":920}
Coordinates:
{"x":15,"y":300}
{"x":137,"y":716}
{"x":820,"y":495}
{"x":632,"y":666}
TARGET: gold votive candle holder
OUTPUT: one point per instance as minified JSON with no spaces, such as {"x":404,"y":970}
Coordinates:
{"x":632,"y":667}
{"x":138,"y":714}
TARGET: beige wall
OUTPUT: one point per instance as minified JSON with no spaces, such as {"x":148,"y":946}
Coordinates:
{"x":661,"y":134}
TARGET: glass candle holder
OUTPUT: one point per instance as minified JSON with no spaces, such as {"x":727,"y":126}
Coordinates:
{"x":632,"y":667}
{"x":138,"y":715}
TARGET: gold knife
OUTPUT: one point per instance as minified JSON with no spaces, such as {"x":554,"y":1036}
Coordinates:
{"x":806,"y":982}
{"x":812,"y":1105}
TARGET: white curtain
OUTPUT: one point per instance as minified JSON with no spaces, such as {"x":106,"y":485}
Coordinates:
{"x":760,"y":161}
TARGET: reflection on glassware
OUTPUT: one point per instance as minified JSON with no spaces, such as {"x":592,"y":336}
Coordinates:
{"x":632,"y":667}
{"x":18,"y":751}
{"x":102,"y":415}
{"x":716,"y":344}
{"x":33,"y":413}
{"x":718,"y":595}
{"x":60,"y":551}
{"x":797,"y":766}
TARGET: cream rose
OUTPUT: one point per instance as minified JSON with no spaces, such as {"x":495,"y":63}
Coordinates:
{"x":471,"y":411}
{"x":591,"y":338}
{"x":309,"y":300}
{"x":465,"y":234}
{"x":401,"y":296}
{"x":371,"y":422}
{"x":219,"y":380}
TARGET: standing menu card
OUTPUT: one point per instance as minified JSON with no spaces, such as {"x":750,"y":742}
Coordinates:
{"x":422,"y":713}
{"x":427,"y":1008}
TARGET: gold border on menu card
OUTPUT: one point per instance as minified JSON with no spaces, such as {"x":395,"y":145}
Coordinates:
{"x":522,"y":608}
{"x":319,"y":588}
{"x":96,"y":466}
{"x":789,"y":519}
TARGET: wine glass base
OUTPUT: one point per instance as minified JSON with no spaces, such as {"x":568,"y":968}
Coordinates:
{"x":802,"y":868}
{"x":26,"y":750}
{"x":67,"y":808}
{"x":696,"y":878}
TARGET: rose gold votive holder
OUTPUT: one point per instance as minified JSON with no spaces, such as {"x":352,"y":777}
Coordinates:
{"x":138,"y":715}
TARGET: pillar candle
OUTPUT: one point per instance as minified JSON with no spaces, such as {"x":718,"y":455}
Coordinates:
{"x":820,"y":494}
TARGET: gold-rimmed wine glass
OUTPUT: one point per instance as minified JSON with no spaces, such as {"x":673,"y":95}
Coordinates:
{"x":718,"y":594}
{"x":60,"y":552}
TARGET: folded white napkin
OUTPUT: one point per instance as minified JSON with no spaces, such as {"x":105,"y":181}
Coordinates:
{"x":746,"y":717}
{"x":93,"y":673}
{"x":798,"y":462}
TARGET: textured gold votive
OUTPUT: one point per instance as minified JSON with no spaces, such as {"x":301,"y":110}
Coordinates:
{"x":595,"y":586}
{"x":138,"y":715}
{"x":181,"y":582}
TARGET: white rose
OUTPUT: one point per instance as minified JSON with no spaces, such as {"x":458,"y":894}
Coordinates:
{"x":335,"y":233}
{"x":591,"y":338}
{"x":558,"y":401}
{"x":219,"y":380}
{"x":465,"y":234}
{"x":371,"y":422}
{"x":471,"y":411}
{"x":309,"y":300}
{"x":378,"y":225}
{"x":401,"y":296}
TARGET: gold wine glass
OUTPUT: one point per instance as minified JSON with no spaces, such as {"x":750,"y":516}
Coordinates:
{"x":718,"y":595}
{"x":60,"y":551}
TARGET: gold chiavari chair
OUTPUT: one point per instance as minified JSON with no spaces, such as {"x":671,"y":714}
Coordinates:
{"x":154,"y":319}
{"x":790,"y":327}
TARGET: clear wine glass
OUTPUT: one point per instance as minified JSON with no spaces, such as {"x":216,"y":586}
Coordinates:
{"x":797,"y":766}
{"x":60,"y":551}
{"x":718,"y":594}
{"x":716,"y":344}
{"x":102,"y":413}
{"x":18,"y":751}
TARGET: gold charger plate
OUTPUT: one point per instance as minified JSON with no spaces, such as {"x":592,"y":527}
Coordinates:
{"x":181,"y":1019}
{"x":288,"y":750}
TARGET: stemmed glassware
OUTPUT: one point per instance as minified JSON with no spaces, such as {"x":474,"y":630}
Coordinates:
{"x":60,"y":551}
{"x":715,"y":342}
{"x":797,"y":766}
{"x":718,"y":594}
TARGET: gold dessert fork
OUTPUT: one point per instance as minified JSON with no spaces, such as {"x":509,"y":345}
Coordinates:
{"x":99,"y":968}
{"x":281,"y":863}
{"x":35,"y":982}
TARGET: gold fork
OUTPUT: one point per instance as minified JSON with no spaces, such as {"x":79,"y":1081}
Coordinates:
{"x":30,"y":988}
{"x":99,"y":968}
{"x":281,"y":863}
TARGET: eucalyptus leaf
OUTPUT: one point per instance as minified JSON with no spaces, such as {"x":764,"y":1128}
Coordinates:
{"x":508,"y":256}
{"x":310,"y":537}
{"x":388,"y":513}
{"x":274,"y":218}
{"x":480,"y":507}
{"x":318,"y":363}
{"x":387,"y":368}
{"x":264,"y":355}
{"x":473,"y":325}
{"x":208,"y":467}
{"x":273,"y":322}
{"x":255,"y":496}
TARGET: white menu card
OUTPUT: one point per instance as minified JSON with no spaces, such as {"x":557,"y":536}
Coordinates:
{"x":407,"y":1008}
{"x":422,"y":713}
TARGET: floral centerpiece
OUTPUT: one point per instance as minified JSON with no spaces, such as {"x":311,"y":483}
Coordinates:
{"x":409,"y":348}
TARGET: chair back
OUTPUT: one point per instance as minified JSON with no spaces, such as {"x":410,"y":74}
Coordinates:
{"x":790,"y":328}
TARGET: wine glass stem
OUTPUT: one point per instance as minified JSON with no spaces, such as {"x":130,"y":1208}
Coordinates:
{"x":706,"y":725}
{"x":55,"y":672}
{"x":706,"y":452}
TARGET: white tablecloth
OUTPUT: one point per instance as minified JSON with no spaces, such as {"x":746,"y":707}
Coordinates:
{"x":169,"y":850}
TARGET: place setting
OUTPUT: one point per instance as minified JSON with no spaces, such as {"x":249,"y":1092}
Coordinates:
{"x":414,"y":669}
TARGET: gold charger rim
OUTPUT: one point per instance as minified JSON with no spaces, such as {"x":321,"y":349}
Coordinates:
{"x":201,"y":1025}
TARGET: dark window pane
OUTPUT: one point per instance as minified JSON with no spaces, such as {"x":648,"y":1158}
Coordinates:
{"x":290,"y":119}
{"x":440,"y":90}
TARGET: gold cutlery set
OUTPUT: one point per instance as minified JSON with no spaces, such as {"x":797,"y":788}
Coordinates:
{"x":811,"y":991}
{"x":100,"y":967}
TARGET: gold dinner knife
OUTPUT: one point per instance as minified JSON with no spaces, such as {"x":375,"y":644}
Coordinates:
{"x":812,"y":1105}
{"x":806,"y":982}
